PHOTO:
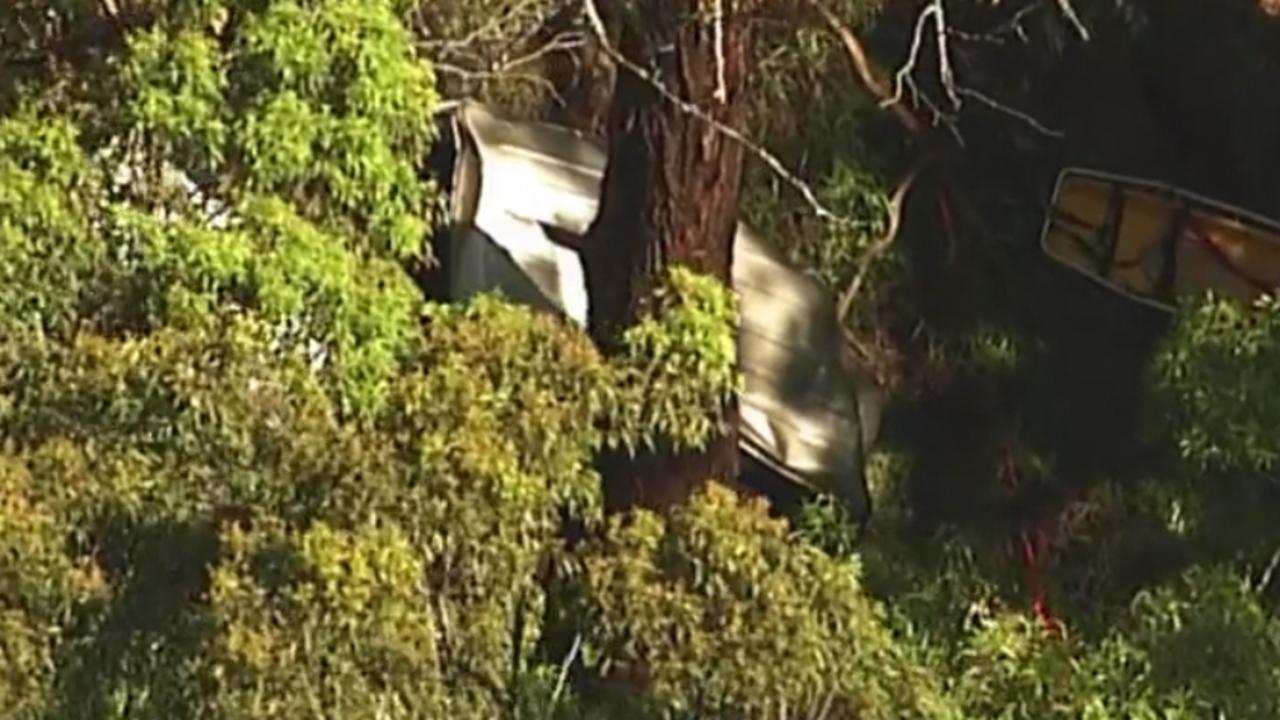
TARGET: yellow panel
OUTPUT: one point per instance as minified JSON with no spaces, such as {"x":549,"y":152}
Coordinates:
{"x":1218,"y":247}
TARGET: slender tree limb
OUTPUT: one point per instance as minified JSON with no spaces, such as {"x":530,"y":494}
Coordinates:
{"x":1069,"y":12}
{"x":563,"y":678}
{"x":508,"y":69}
{"x":894,"y":97}
{"x":1268,"y":572}
{"x":1012,"y":26}
{"x":902,"y":78}
{"x":561,"y":42}
{"x":493,"y":28}
{"x":1014,"y":112}
{"x":871,"y":76}
{"x":881,"y":245}
{"x":464,"y":73}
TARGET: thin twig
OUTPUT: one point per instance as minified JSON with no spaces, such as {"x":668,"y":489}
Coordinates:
{"x":492,"y":28}
{"x":768,"y":158}
{"x":565,"y":665}
{"x":1011,"y":26}
{"x":946,"y":76}
{"x":563,"y":41}
{"x":1014,"y":112}
{"x":945,"y":73}
{"x":902,"y":78}
{"x":487,"y":75}
{"x":825,"y":708}
{"x":1268,"y":572}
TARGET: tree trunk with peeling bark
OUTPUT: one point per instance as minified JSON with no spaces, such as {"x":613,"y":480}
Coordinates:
{"x":670,"y":195}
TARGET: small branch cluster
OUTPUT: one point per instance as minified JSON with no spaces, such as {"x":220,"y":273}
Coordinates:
{"x":905,"y":87}
{"x":996,"y":36}
{"x":510,"y":69}
{"x":500,"y":49}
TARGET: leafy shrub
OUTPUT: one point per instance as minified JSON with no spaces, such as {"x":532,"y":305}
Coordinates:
{"x":1218,"y":371}
{"x":717,"y":612}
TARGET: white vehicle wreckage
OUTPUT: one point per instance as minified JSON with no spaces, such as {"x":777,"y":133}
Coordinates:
{"x":523,"y":194}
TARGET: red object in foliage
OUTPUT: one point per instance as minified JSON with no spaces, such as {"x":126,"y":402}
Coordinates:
{"x":1030,"y":541}
{"x":1039,"y":602}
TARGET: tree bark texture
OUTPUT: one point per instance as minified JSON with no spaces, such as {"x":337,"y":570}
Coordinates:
{"x":670,"y":195}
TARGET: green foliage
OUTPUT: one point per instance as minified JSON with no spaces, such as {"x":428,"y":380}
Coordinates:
{"x":1208,"y":636}
{"x":832,"y":249}
{"x":1201,"y":646}
{"x":50,"y":257}
{"x":1218,"y":369}
{"x":320,"y":103}
{"x":344,"y":565}
{"x":246,"y":480}
{"x":356,"y":315}
{"x":717,"y":612}
{"x":679,"y":365}
{"x":256,"y":158}
{"x":247,"y":473}
{"x":241,"y":550}
{"x":326,"y":620}
{"x":39,"y":589}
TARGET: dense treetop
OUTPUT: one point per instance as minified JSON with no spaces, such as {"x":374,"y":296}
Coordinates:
{"x":248,"y":471}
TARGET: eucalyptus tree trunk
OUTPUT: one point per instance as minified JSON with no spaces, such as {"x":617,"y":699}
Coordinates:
{"x":670,"y":196}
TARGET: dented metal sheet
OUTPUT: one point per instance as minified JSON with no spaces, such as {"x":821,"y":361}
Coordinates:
{"x":524,"y":196}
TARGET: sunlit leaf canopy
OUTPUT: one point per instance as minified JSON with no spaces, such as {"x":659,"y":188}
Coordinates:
{"x":247,"y":472}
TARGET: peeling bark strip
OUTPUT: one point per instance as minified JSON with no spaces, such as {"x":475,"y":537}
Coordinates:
{"x":670,"y":195}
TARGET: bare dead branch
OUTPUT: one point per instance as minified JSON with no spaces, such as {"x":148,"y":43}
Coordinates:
{"x":489,"y":75}
{"x":873,"y":79}
{"x":495,"y":27}
{"x":1069,"y":12}
{"x":565,"y":666}
{"x":1011,"y":111}
{"x":945,"y":72}
{"x":902,"y":78}
{"x":946,"y":75}
{"x":500,"y":49}
{"x":561,"y":42}
{"x":717,"y":24}
{"x":995,"y":36}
